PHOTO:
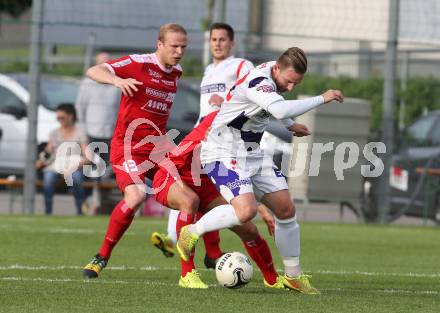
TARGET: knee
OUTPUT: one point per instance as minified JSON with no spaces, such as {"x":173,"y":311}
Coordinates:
{"x":189,"y":203}
{"x":49,"y":179}
{"x":134,"y":198}
{"x":77,"y":177}
{"x":246,"y":213}
{"x":247,"y":231}
{"x":285,"y":212}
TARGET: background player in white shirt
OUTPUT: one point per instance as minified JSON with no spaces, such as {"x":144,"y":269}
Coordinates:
{"x":223,"y":72}
{"x":234,"y":162}
{"x":218,"y":78}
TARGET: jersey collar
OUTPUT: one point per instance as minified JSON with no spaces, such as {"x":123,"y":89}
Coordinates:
{"x":223,"y":61}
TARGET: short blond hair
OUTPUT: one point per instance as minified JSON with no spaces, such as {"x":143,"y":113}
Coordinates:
{"x":167,"y":28}
{"x":295,"y":58}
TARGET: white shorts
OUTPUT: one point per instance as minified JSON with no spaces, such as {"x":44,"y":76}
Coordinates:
{"x":232,"y":180}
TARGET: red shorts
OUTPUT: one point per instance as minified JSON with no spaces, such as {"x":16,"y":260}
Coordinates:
{"x":162,"y":182}
{"x":129,"y":172}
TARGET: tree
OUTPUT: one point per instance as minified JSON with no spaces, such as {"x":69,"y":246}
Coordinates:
{"x":15,"y":7}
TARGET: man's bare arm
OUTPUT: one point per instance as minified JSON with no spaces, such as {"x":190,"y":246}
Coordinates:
{"x":101,"y":74}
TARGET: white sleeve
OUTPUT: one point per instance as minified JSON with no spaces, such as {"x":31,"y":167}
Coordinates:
{"x":290,"y":108}
{"x":262,"y":92}
{"x":287,"y":122}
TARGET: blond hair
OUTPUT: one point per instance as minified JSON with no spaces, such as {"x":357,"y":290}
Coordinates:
{"x":167,"y":28}
{"x":295,"y":58}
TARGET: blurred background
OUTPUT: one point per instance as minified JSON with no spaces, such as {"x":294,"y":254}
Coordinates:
{"x":384,"y":56}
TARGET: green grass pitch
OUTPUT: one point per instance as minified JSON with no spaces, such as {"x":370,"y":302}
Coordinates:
{"x":358,"y":268}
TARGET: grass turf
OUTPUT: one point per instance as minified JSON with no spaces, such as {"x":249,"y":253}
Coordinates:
{"x":358,"y":268}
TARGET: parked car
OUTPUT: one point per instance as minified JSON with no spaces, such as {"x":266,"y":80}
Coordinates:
{"x":418,"y":146}
{"x":14,"y":99}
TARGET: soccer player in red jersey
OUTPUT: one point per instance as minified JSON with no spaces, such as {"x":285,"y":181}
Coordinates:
{"x":191,"y":190}
{"x":148,"y":83}
{"x":218,"y":78}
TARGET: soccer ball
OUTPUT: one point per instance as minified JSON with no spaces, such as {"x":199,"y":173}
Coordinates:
{"x":233,"y":270}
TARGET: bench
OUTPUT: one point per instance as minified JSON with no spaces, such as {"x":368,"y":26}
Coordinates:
{"x":15,"y":187}
{"x":429,"y":171}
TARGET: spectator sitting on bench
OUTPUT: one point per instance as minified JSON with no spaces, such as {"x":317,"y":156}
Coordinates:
{"x":71,"y":167}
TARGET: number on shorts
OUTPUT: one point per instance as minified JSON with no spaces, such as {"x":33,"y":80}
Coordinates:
{"x":130,"y":166}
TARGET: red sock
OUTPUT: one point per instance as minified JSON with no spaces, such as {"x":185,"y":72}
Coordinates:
{"x":184,"y":219}
{"x":212,"y":242}
{"x":259,"y":251}
{"x":120,"y":220}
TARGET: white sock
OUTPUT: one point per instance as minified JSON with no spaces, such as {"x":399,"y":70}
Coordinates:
{"x":222,"y":216}
{"x":287,"y":240}
{"x":291,"y":266}
{"x":172,"y":221}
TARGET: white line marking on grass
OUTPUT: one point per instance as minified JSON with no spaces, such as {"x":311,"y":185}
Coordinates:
{"x":74,"y":267}
{"x":362,"y":273}
{"x":37,"y":268}
{"x":386,"y":291}
{"x":60,"y":230}
{"x":158,"y":268}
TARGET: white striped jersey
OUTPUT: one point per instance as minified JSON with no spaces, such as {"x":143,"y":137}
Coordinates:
{"x":243,"y":117}
{"x":218,"y":79}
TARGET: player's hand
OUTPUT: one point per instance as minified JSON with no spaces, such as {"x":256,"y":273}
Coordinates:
{"x":127,"y":86}
{"x":40,"y":164}
{"x":216,"y":100}
{"x":331,"y":95}
{"x":267,"y":218}
{"x":270,"y":223}
{"x":299,"y":130}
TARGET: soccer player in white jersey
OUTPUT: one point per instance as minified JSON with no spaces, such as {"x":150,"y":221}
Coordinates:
{"x":218,"y":78}
{"x":223,"y":72}
{"x":233,"y":160}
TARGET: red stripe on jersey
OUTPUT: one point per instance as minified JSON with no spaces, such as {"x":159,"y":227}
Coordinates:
{"x":240,"y":81}
{"x":240,"y":66}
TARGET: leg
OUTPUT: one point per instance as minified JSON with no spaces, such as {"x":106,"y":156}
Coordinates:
{"x":171,"y":229}
{"x":211,"y":239}
{"x":271,"y":186}
{"x":120,"y":220}
{"x":287,"y":239}
{"x":287,"y":235}
{"x":130,"y":180}
{"x":162,"y":183}
{"x":236,"y":187}
{"x":49,"y":180}
{"x":259,"y":251}
{"x":164,"y":242}
{"x":78,"y":190}
{"x":242,"y":210}
{"x":183,"y":198}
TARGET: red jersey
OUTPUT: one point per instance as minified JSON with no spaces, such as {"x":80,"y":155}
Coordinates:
{"x":183,"y":156}
{"x":145,"y":113}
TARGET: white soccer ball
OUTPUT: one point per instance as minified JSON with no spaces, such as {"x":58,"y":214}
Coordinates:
{"x":233,"y":270}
